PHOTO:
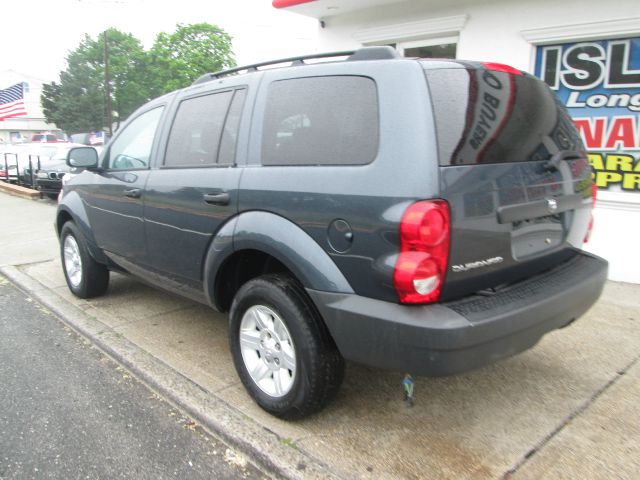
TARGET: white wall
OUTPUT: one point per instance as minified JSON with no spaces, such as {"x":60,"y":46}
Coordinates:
{"x":616,"y":232}
{"x":493,"y":31}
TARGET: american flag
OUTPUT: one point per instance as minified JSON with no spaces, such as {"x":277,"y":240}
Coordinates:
{"x":96,"y":138}
{"x":12,"y":102}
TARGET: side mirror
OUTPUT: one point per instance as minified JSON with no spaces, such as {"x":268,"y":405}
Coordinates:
{"x":82,"y":157}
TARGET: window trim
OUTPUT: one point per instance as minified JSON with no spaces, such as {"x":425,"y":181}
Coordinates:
{"x":233,"y":90}
{"x":575,"y":32}
{"x":433,"y":28}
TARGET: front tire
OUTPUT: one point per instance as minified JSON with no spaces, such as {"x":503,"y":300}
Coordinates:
{"x":85,"y":277}
{"x":281,"y":348}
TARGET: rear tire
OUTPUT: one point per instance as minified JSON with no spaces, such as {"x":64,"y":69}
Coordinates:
{"x":85,"y":277}
{"x":281,"y":348}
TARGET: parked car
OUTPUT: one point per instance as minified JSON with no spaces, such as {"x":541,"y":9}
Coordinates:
{"x":47,"y":137}
{"x":4,"y":176}
{"x":89,"y":138}
{"x":27,"y":156}
{"x":424,"y":216}
{"x":52,"y":170}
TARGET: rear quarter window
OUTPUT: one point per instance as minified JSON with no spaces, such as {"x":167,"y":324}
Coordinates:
{"x":330,"y":120}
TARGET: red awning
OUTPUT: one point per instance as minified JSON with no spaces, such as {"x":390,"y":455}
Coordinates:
{"x":289,"y":3}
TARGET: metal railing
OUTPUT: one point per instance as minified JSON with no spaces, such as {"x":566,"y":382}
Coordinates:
{"x":25,"y":177}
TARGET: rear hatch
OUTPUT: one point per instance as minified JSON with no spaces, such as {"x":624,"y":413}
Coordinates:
{"x":514,"y":172}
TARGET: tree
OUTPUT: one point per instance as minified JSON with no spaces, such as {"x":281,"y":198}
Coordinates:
{"x":51,"y":95}
{"x":127,"y":73}
{"x":177,"y":59}
{"x":77,"y":103}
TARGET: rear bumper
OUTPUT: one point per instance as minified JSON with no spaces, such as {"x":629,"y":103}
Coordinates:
{"x":454,"y":337}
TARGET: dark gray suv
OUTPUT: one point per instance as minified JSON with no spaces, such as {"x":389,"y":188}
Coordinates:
{"x":425,"y":216}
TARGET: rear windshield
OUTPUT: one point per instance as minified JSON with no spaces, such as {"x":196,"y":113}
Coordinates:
{"x":484,"y":116}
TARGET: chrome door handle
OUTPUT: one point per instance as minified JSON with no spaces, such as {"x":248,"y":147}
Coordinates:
{"x":217,"y":198}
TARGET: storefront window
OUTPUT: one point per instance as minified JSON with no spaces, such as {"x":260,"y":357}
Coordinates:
{"x":599,"y":82}
{"x":441,"y":47}
{"x":447,"y":50}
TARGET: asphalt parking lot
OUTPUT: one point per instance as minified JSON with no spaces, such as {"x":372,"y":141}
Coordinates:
{"x":567,"y":408}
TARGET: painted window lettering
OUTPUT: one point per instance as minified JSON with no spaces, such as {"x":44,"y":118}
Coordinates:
{"x":599,"y":82}
{"x":583,"y":66}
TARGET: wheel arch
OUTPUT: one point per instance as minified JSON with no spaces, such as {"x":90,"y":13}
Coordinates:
{"x":72,"y":209}
{"x":256,"y":243}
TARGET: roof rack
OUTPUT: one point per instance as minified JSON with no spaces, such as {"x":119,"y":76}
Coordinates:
{"x":364,"y":53}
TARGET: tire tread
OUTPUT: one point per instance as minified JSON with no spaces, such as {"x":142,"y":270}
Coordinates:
{"x":324,"y":376}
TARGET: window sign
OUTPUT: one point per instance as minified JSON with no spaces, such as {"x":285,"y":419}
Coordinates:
{"x":599,"y":82}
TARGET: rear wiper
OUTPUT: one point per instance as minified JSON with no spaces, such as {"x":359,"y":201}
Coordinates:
{"x":554,"y":161}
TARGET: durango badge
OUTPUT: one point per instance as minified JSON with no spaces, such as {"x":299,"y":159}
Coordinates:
{"x":477,"y":264}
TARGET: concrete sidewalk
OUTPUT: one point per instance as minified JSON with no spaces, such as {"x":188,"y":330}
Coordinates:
{"x":567,"y":408}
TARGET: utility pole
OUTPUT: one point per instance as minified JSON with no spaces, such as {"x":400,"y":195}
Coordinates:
{"x":107,"y":84}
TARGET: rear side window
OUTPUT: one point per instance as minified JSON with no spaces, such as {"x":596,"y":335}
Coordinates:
{"x":329,"y":120}
{"x":198,"y":130}
{"x":485,"y":116}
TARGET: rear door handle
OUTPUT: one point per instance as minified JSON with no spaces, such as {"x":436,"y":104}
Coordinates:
{"x":133,"y":193}
{"x":217,"y":198}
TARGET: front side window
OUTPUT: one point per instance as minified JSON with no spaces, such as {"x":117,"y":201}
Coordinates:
{"x":132,"y":148}
{"x":321,"y":121}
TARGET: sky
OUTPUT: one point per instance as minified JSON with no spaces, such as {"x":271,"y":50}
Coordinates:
{"x":36,"y":40}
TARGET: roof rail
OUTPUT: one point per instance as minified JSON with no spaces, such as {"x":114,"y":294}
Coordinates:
{"x":364,"y":53}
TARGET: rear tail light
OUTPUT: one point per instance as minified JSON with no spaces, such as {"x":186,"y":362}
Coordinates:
{"x":594,"y":196}
{"x":501,"y":67}
{"x":424,"y":252}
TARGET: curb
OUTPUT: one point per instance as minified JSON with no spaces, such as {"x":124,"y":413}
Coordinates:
{"x":262,"y":446}
{"x":19,"y":191}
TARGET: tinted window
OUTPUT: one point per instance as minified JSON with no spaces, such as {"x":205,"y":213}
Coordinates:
{"x":132,"y":148}
{"x":197,"y":127}
{"x":321,"y":121}
{"x":227,"y":153}
{"x":485,"y":116}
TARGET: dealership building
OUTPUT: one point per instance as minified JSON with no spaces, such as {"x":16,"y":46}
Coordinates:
{"x":20,"y":128}
{"x":587,"y":51}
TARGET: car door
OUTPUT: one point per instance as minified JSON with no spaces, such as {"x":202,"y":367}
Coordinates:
{"x":195,"y":188}
{"x":114,"y":196}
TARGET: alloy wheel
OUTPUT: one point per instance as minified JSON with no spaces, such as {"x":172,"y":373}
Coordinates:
{"x":267,"y":350}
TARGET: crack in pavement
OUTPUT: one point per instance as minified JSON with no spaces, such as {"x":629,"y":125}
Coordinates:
{"x":575,"y":414}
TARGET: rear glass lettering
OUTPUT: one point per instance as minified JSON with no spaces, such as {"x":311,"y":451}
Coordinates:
{"x":489,"y":116}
